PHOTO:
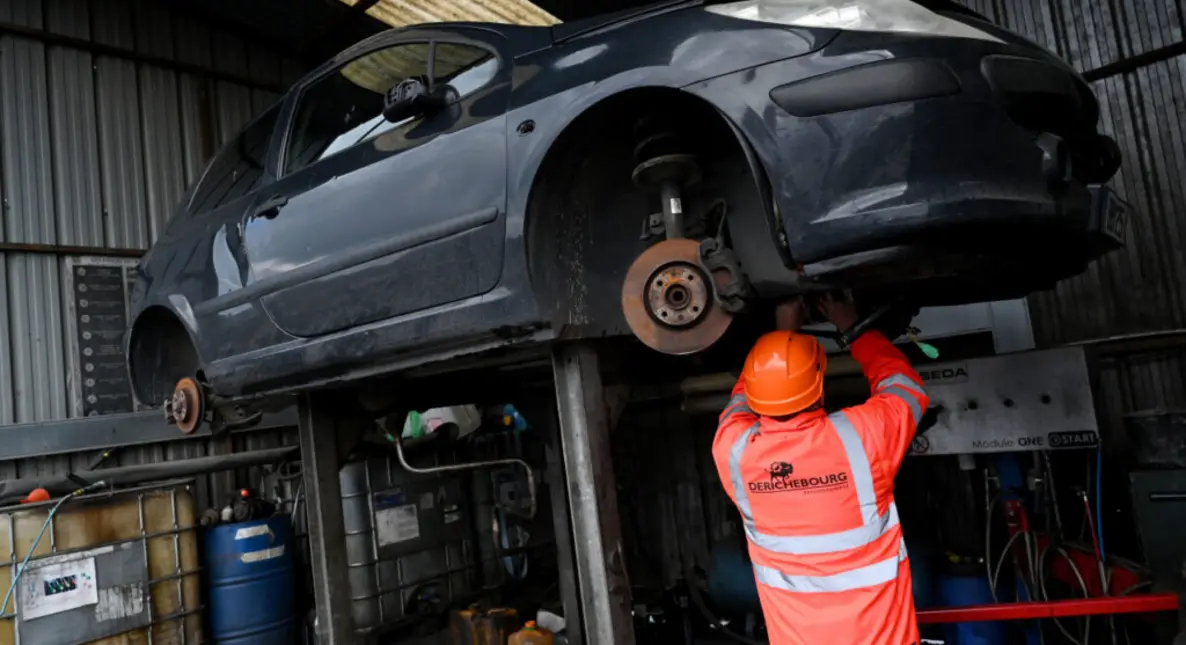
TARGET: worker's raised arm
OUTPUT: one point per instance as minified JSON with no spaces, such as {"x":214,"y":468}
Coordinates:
{"x":898,"y":398}
{"x":890,"y":417}
{"x":735,"y":419}
{"x":737,"y":407}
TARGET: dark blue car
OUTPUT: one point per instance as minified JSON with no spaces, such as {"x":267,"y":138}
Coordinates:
{"x":451,"y":189}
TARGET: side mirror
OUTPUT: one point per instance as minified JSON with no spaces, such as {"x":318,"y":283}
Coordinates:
{"x":410,"y":98}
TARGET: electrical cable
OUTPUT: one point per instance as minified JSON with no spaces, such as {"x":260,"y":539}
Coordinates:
{"x":1052,"y":492}
{"x":1044,"y":595}
{"x":1031,"y":589}
{"x":1086,"y":592}
{"x":1031,"y":545}
{"x":1082,"y":584}
{"x":1102,"y":554}
{"x":1086,"y":487}
{"x":49,"y":518}
{"x":992,"y":581}
{"x":1093,"y":524}
{"x":988,"y":539}
{"x":1099,"y":516}
{"x":1095,"y":543}
{"x":1139,"y":585}
{"x":1099,"y":556}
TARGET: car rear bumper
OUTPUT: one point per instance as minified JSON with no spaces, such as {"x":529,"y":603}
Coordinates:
{"x":908,"y":158}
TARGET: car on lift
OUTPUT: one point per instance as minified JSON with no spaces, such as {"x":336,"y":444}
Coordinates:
{"x":451,"y":189}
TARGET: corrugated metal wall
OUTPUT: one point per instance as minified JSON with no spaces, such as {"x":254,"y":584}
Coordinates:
{"x":1143,"y":287}
{"x":96,"y":147}
{"x":677,"y":511}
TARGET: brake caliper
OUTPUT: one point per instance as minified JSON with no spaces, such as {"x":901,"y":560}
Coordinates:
{"x":732,"y":286}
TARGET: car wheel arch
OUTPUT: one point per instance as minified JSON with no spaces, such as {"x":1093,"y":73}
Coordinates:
{"x":161,"y":349}
{"x":563,"y":300}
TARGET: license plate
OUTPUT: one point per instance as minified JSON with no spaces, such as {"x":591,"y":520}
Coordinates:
{"x":1111,"y":214}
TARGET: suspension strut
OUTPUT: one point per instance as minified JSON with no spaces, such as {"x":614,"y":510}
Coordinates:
{"x":668,"y":298}
{"x":664,"y":165}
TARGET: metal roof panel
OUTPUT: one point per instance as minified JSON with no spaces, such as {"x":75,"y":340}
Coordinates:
{"x":401,"y":13}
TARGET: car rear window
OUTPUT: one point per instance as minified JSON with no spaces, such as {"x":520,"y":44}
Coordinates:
{"x":239,"y":167}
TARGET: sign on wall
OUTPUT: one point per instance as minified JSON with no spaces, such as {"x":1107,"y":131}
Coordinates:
{"x":98,"y":290}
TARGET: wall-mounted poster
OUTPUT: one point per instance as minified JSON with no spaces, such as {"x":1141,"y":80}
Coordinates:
{"x":98,"y":290}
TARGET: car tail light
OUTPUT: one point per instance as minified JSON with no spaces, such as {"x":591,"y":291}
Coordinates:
{"x":857,"y":15}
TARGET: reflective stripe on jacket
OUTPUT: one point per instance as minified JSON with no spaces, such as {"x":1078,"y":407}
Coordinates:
{"x":815,"y":493}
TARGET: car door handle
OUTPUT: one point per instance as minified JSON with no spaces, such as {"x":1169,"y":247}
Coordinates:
{"x":271,"y":207}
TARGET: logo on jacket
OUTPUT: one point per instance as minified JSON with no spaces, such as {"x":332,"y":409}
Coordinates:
{"x":780,"y":471}
{"x":782,"y":480}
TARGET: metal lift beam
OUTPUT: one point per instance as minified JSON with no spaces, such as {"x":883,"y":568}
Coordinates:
{"x":592,"y":495}
{"x":320,"y":463}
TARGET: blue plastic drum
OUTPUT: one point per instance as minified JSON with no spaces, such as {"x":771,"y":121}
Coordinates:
{"x":250,"y":582}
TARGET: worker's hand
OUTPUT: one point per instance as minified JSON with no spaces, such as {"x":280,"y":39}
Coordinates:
{"x":841,"y":313}
{"x":789,"y":315}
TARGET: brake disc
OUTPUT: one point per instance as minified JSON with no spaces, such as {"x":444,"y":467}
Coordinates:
{"x":669,"y":302}
{"x":187,"y":406}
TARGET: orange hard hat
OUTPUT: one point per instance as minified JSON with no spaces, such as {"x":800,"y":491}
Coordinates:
{"x":784,"y":373}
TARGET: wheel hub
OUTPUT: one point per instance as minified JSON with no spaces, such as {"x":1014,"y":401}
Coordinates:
{"x":678,"y":295}
{"x":181,"y":404}
{"x":185,"y":408}
{"x":668,"y":300}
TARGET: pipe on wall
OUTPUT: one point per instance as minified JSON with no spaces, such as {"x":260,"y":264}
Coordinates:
{"x":15,"y":489}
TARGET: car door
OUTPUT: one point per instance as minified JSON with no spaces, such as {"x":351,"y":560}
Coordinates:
{"x":372,"y":219}
{"x":199,"y":252}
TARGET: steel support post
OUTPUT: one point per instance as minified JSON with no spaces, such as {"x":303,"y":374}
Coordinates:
{"x":562,"y":525}
{"x":320,"y":464}
{"x":592,"y":496}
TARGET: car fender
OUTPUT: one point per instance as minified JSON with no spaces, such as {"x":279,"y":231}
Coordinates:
{"x":178,"y":307}
{"x":756,"y":235}
{"x":527,"y":152}
{"x":755,"y":232}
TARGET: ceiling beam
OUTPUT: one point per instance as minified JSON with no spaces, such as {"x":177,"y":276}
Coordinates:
{"x":352,"y":13}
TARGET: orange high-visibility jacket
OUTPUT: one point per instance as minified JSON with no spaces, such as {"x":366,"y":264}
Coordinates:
{"x":816,"y":498}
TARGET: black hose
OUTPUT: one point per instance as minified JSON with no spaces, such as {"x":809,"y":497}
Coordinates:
{"x":698,"y":600}
{"x":14,"y":490}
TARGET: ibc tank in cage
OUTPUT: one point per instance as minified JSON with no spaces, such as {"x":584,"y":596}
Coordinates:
{"x":114,"y":569}
{"x":406,"y":535}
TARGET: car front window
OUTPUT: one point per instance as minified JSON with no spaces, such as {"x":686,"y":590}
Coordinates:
{"x":475,"y":78}
{"x":345,"y":108}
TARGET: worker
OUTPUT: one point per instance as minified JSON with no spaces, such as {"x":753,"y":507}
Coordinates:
{"x":815,"y":490}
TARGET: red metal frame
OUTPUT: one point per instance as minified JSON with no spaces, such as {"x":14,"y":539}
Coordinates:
{"x":1136,"y":604}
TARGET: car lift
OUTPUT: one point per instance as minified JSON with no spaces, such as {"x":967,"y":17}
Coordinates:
{"x":595,"y":589}
{"x":595,"y":560}
{"x":593,"y":581}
